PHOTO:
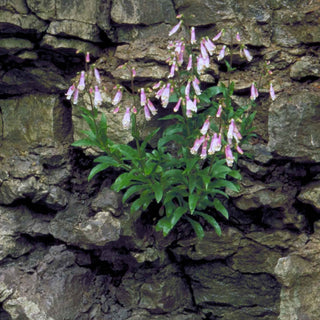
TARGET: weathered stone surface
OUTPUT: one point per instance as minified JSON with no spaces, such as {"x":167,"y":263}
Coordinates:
{"x":142,"y":12}
{"x":78,"y":29}
{"x":107,"y":199}
{"x":69,"y":45}
{"x":293,"y":126}
{"x":14,"y":45}
{"x":162,"y":292}
{"x":299,"y":275}
{"x":306,"y":67}
{"x":310,"y":194}
{"x":215,"y":284}
{"x":212,"y":247}
{"x":12,"y":222}
{"x":12,"y":22}
{"x":24,"y":81}
{"x":30,"y":119}
{"x":56,"y":289}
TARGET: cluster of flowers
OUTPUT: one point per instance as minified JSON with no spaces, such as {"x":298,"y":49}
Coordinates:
{"x":195,"y":66}
{"x":75,"y":89}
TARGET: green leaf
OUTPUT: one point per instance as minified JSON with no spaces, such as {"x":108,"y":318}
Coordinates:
{"x":193,"y":200}
{"x":84,"y":143}
{"x":197,"y":228}
{"x":99,"y":167}
{"x":132,"y":190}
{"x":235,"y":174}
{"x":212,"y":91}
{"x":123,"y":181}
{"x":127,"y":152}
{"x":224,"y":183}
{"x":166,"y":223}
{"x":173,"y":98}
{"x":221,"y":208}
{"x":158,"y":191}
{"x":212,"y":221}
{"x":107,"y":159}
{"x":173,"y":116}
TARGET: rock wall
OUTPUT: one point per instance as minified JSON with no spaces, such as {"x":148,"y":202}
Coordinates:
{"x":69,"y":250}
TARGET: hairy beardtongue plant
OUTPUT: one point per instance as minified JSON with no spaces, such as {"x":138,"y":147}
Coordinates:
{"x":192,"y":165}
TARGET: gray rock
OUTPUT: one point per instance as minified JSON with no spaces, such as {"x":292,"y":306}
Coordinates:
{"x":56,"y":289}
{"x":78,"y":29}
{"x":142,"y":12}
{"x":299,"y":276}
{"x":310,"y":194}
{"x":12,"y":46}
{"x":305,"y":67}
{"x":293,"y":126}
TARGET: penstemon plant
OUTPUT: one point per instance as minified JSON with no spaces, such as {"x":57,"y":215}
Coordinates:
{"x":192,"y":164}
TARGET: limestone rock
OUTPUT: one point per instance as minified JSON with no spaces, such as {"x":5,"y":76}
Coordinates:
{"x":159,"y":293}
{"x":38,"y":110}
{"x":293,"y":126}
{"x":306,"y":67}
{"x":299,"y":275}
{"x":310,"y":194}
{"x":211,"y":247}
{"x":142,"y":12}
{"x":56,"y":288}
{"x":13,"y":45}
{"x":69,"y":45}
{"x":78,"y":29}
{"x":12,"y":22}
{"x":215,"y":284}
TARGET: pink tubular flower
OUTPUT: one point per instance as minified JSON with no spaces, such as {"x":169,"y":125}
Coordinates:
{"x":151,"y":107}
{"x":157,"y":85}
{"x":81,"y":84}
{"x":189,"y":66}
{"x":197,"y":144}
{"x":193,"y":36}
{"x":126,"y":119}
{"x":205,"y":126}
{"x":88,"y":57}
{"x":70,"y":92}
{"x":190,"y":107}
{"x":172,"y":69}
{"x":209,"y":45}
{"x":165,"y":96}
{"x":229,"y":155}
{"x":117,"y":98}
{"x":218,"y":114}
{"x":215,"y":144}
{"x":75,"y":96}
{"x":143,"y":98}
{"x":217,"y":36}
{"x":239,"y":150}
{"x":272,"y":93}
{"x":133,"y":72}
{"x":177,"y":106}
{"x":202,"y":63}
{"x":187,"y":89}
{"x":254,"y":92}
{"x":175,"y":28}
{"x":195,"y":85}
{"x":147,"y":113}
{"x":181,"y":54}
{"x":233,"y":132}
{"x":160,"y":91}
{"x":203,"y":50}
{"x":238,"y":37}
{"x":97,"y":75}
{"x":222,"y":53}
{"x":97,"y":97}
{"x":203,"y":154}
{"x":247,"y":54}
